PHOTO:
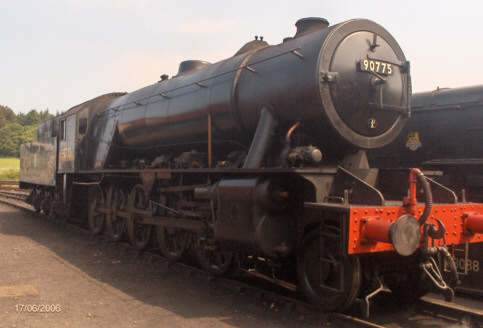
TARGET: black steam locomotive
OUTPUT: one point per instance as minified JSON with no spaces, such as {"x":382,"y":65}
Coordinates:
{"x":260,"y":161}
{"x":444,"y":137}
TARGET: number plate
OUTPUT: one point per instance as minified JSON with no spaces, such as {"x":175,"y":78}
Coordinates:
{"x":376,"y":66}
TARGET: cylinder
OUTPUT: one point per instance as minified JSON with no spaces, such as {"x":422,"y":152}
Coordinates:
{"x":376,"y":229}
{"x":474,"y":223}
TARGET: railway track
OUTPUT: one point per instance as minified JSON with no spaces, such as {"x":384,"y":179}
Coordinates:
{"x":18,"y":195}
{"x":9,"y":185}
{"x":12,"y":183}
{"x":284,"y":301}
{"x":472,"y":317}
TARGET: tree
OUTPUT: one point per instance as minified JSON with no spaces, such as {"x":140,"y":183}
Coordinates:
{"x":29,"y":134}
{"x":17,"y":129}
{"x":44,"y":115}
{"x":30,"y":118}
{"x":10,"y":139}
{"x":13,"y":135}
{"x":33,"y":117}
{"x":7,"y":116}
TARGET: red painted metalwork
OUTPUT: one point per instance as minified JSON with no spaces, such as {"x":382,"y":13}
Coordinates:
{"x":376,"y":229}
{"x":473,"y":222}
{"x":412,"y":190}
{"x":453,"y":217}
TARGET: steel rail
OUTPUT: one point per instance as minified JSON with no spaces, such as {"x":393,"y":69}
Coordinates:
{"x":455,"y":311}
{"x":9,"y":182}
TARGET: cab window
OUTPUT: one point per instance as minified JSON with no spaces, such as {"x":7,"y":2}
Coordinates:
{"x":62,"y":132}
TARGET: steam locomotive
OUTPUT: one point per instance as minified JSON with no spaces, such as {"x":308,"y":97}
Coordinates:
{"x":444,"y":138}
{"x":259,"y":162}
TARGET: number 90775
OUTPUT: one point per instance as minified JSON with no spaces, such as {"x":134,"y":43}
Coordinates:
{"x":377,"y":66}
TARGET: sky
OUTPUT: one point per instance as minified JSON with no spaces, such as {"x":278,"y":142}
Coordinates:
{"x":56,"y":54}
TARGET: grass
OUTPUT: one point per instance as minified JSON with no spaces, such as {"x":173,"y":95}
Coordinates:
{"x":9,"y":168}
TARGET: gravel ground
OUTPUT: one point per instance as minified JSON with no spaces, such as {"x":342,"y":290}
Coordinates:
{"x":51,"y":277}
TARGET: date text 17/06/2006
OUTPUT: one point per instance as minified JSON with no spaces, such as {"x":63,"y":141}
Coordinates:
{"x":37,"y":308}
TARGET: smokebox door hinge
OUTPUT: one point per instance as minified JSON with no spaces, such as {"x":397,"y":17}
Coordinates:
{"x":329,"y":77}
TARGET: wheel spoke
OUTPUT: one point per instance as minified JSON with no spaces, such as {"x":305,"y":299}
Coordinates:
{"x":116,"y":201}
{"x":172,"y":243}
{"x":328,"y":278}
{"x":214,"y":261}
{"x":95,"y":217}
{"x":139,"y":234}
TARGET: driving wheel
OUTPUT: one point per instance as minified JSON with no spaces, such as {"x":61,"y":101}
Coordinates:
{"x":210,"y":257}
{"x":328,"y":278}
{"x":96,"y":200}
{"x":115,"y":224}
{"x":139,"y":234}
